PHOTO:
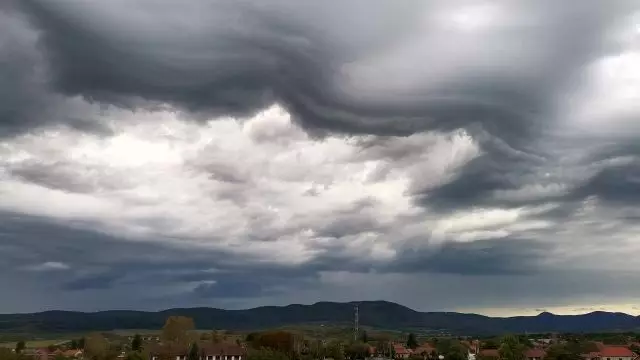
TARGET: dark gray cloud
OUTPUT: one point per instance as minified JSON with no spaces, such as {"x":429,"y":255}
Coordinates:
{"x":618,"y":184}
{"x":506,"y":256}
{"x":88,"y":282}
{"x":125,"y":58}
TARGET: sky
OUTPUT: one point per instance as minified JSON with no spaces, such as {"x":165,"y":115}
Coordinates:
{"x":477,"y":156}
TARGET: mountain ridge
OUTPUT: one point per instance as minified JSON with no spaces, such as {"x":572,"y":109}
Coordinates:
{"x":376,"y":314}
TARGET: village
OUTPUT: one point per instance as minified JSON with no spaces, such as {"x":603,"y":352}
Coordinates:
{"x":178,"y":340}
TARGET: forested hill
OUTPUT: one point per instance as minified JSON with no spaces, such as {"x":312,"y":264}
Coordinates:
{"x":377,"y":314}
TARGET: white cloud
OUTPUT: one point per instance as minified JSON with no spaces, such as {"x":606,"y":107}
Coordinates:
{"x":49,"y":266}
{"x":225,"y":182}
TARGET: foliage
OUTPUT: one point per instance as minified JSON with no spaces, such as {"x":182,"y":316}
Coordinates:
{"x":136,"y":343}
{"x":511,"y":349}
{"x":335,"y":350}
{"x":193,"y":352}
{"x":412,"y":342}
{"x":281,"y":341}
{"x":524,"y":340}
{"x":96,"y":347}
{"x":562,"y":352}
{"x":365,"y":337}
{"x":7,"y":354}
{"x":177,"y":330}
{"x":491,"y":344}
{"x":135,"y":355}
{"x":266,"y":354}
{"x":356,"y":351}
{"x":451,"y":349}
{"x":20,"y":346}
{"x":217,"y":337}
{"x":383,"y":346}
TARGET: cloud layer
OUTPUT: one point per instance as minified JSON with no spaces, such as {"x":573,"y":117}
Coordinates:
{"x":243,"y":154}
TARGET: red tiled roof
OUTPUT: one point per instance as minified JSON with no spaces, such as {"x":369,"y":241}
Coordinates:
{"x":424,"y":348}
{"x":208,"y":349}
{"x":490,"y":353}
{"x":535,"y":353}
{"x":616,"y":351}
{"x":401,"y":350}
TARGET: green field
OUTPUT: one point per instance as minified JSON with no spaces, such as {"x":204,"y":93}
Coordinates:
{"x":35,"y":343}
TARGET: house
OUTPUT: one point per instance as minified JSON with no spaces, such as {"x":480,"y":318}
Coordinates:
{"x":489,"y":354}
{"x":534,"y":354}
{"x":594,"y":355}
{"x":371,"y":350}
{"x":208,"y":351}
{"x":424,"y":350}
{"x":609,"y":352}
{"x":401,"y":351}
{"x":473,"y":347}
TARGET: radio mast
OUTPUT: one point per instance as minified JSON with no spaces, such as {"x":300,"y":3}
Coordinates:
{"x":355,"y":324}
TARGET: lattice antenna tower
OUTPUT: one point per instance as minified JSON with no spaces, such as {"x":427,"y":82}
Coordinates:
{"x":356,"y":320}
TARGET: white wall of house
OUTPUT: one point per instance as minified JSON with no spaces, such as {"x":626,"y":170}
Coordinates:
{"x":618,"y":358}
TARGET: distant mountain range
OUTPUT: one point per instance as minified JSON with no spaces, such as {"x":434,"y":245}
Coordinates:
{"x":376,"y":314}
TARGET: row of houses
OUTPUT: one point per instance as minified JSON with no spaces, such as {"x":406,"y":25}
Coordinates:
{"x":604,"y":352}
{"x":207,"y":351}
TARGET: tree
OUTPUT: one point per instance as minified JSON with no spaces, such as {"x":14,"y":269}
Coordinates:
{"x":412,"y":342}
{"x":562,"y":352}
{"x":193,"y":352}
{"x":511,"y":349}
{"x":20,"y":346}
{"x":96,"y":346}
{"x":452,"y":349}
{"x":216,"y":337}
{"x":491,"y":344}
{"x":136,"y":343}
{"x":251,"y":337}
{"x":136,"y":355}
{"x":365,"y":337}
{"x":265,"y":354}
{"x":281,"y":341}
{"x":177,"y":330}
{"x":335,"y":350}
{"x":7,"y":354}
{"x":356,"y":351}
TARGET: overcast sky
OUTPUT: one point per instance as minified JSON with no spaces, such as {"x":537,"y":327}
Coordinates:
{"x":447,"y":155}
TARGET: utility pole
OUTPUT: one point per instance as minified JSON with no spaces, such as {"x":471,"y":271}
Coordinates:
{"x":355,"y":325}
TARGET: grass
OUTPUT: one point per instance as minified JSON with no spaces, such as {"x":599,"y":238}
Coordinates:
{"x":35,"y":343}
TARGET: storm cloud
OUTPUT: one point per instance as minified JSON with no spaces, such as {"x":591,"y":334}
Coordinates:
{"x":244,"y":153}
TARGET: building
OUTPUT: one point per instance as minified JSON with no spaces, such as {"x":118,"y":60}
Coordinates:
{"x":401,"y":352}
{"x":425,"y":350}
{"x":615,"y":353}
{"x":535,"y":354}
{"x":207,"y":351}
{"x":489,"y":354}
